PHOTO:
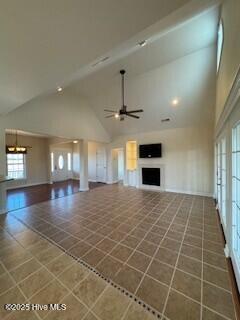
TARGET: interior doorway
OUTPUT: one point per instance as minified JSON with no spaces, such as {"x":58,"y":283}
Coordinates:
{"x":117,"y":165}
{"x":120,"y":164}
{"x":101,"y":165}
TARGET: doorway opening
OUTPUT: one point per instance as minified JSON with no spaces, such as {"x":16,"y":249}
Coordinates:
{"x":117,"y":165}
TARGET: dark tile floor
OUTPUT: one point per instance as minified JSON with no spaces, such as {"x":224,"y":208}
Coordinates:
{"x":23,"y":197}
{"x":165,"y":249}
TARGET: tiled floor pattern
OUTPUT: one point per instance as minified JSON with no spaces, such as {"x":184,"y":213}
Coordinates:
{"x":35,"y":271}
{"x":164,"y":248}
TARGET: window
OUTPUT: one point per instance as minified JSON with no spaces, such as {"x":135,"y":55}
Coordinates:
{"x":219,"y":44}
{"x":69,"y":161}
{"x":60,"y":162}
{"x":16,"y":166}
{"x":236,"y":192}
{"x":52,"y":162}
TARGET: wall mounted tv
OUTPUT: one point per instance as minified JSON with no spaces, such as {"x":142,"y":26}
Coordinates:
{"x":150,"y":150}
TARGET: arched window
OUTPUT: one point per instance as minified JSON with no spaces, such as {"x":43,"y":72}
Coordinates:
{"x":60,"y":162}
{"x":219,"y":43}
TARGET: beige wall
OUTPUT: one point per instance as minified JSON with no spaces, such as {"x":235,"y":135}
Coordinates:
{"x":230,"y":60}
{"x":36,"y":160}
{"x":187,"y":156}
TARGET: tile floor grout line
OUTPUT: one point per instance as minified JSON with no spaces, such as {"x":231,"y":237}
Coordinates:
{"x":133,"y":229}
{"x":117,"y":228}
{"x":143,"y":239}
{"x":201,"y":310}
{"x":161,"y":215}
{"x":19,"y":288}
{"x":117,"y":243}
{"x":156,"y":250}
{"x":120,"y":243}
{"x":111,"y":283}
{"x":49,"y":239}
{"x":175,"y":267}
{"x":105,"y":238}
{"x":54,"y":279}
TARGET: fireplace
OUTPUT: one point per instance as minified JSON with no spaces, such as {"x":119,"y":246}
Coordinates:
{"x":151,"y":176}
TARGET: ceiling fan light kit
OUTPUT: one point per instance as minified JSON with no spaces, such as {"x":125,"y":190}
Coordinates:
{"x":123,"y":112}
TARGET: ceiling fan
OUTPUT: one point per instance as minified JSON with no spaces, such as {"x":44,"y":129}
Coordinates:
{"x":123,"y":111}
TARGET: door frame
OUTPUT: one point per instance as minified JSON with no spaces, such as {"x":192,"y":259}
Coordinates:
{"x":104,"y":151}
{"x":60,"y":150}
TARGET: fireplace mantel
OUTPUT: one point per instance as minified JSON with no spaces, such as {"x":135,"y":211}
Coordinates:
{"x":150,"y":187}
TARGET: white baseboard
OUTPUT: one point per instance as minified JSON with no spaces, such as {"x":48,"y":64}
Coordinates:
{"x":226,"y":251}
{"x":89,"y":180}
{"x":194,"y":193}
{"x":28,"y":185}
{"x":3,"y":211}
{"x":112,"y":181}
{"x":83,"y":189}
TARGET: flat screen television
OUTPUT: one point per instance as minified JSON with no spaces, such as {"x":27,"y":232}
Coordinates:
{"x":150,"y":150}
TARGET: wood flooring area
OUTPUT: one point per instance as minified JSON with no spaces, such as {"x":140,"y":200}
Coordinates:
{"x":24,"y":197}
{"x":117,"y":253}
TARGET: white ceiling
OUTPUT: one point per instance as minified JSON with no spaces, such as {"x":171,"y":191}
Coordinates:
{"x":197,"y":33}
{"x":45,"y":42}
{"x":179,"y":64}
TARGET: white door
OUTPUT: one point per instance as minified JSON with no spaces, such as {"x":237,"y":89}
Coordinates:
{"x":60,"y":167}
{"x":101,"y":165}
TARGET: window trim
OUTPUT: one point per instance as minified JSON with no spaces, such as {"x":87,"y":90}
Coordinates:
{"x":24,"y":167}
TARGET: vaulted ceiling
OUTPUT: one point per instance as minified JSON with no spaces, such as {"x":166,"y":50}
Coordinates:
{"x":179,"y":64}
{"x":46,"y":44}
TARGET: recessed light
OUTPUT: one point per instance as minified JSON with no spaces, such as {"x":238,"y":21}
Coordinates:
{"x":116,"y":115}
{"x":175,"y":102}
{"x":59,"y":89}
{"x":75,"y":141}
{"x":142,"y":43}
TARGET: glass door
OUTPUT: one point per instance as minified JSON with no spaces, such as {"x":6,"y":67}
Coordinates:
{"x":236,"y":193}
{"x":222,"y":178}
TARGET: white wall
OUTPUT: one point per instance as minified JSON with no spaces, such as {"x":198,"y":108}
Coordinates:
{"x":187,"y":154}
{"x":36,"y":160}
{"x":61,"y":115}
{"x":230,"y":61}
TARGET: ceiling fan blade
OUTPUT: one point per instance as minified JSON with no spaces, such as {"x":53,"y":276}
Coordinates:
{"x":107,"y":110}
{"x":135,"y":111}
{"x":131,"y":115}
{"x":111,"y":116}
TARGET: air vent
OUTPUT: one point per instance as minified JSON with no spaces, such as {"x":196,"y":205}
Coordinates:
{"x":100,"y":61}
{"x":165,"y":120}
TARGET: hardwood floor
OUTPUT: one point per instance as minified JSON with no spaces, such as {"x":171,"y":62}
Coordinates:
{"x":24,"y":197}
